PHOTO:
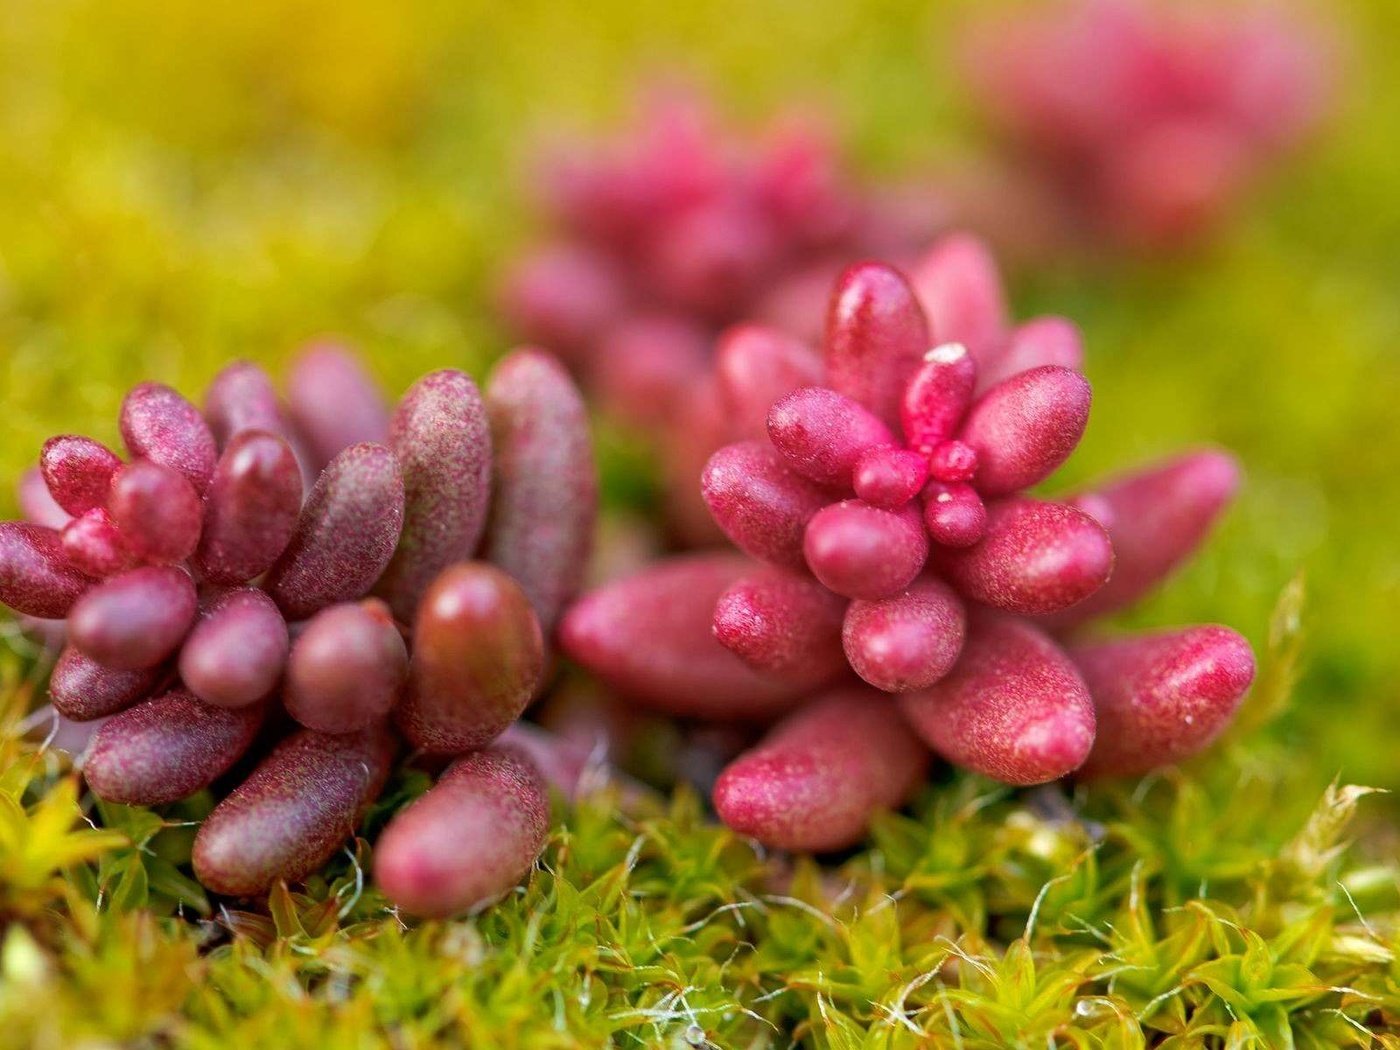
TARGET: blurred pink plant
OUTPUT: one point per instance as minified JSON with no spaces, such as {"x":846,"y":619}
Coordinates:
{"x":895,"y":588}
{"x":1150,"y":124}
{"x":680,"y":226}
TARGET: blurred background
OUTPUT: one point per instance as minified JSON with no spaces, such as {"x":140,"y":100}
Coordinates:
{"x":185,"y":184}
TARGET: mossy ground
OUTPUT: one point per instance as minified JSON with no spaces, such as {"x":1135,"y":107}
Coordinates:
{"x":181,"y":184}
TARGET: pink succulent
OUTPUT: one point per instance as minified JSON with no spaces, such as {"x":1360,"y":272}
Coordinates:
{"x":680,"y":227}
{"x":888,"y":503}
{"x":1149,"y":122}
{"x":201,"y":602}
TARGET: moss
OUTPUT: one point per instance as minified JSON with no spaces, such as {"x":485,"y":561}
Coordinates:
{"x":1217,"y":905}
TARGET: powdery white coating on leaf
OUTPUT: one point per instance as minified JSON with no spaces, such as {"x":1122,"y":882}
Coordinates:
{"x":347,"y":669}
{"x":157,"y":510}
{"x":293,"y":812}
{"x":862,"y":551}
{"x":1157,"y":517}
{"x":242,"y":398}
{"x":237,"y":650}
{"x":649,"y":637}
{"x":906,"y":642}
{"x":1035,"y":557}
{"x":1025,"y":427}
{"x":823,"y":435}
{"x":544,"y":504}
{"x":160,"y":425}
{"x":1161,"y":698}
{"x":442,"y":440}
{"x":937,"y":396}
{"x":478,"y":656}
{"x":35,"y":577}
{"x":168,"y":748}
{"x":1014,"y":707}
{"x":876,"y":336}
{"x":783,"y":623}
{"x":135,"y":620}
{"x":817,"y":778}
{"x":345,"y":536}
{"x":761,"y":505}
{"x":77,"y":471}
{"x":754,"y":367}
{"x":471,"y":838}
{"x":82,"y":689}
{"x":960,"y":288}
{"x":251,"y":510}
{"x":334,"y":403}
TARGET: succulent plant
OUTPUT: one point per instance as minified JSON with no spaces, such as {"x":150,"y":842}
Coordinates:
{"x":892,"y":539}
{"x":1148,"y":121}
{"x":469,"y":838}
{"x":205,"y":605}
{"x":678,"y":228}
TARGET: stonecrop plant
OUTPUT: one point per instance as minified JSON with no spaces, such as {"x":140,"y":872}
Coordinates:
{"x":271,"y":597}
{"x":677,"y":229}
{"x":1149,"y":122}
{"x":898,"y":591}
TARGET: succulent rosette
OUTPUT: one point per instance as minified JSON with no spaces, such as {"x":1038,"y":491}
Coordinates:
{"x":898,"y":590}
{"x":677,"y":228}
{"x":302,"y":587}
{"x":1150,"y":121}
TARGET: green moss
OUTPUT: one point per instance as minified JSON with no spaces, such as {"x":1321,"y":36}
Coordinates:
{"x":1203,"y":904}
{"x":185,"y":184}
{"x":1218,"y":905}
